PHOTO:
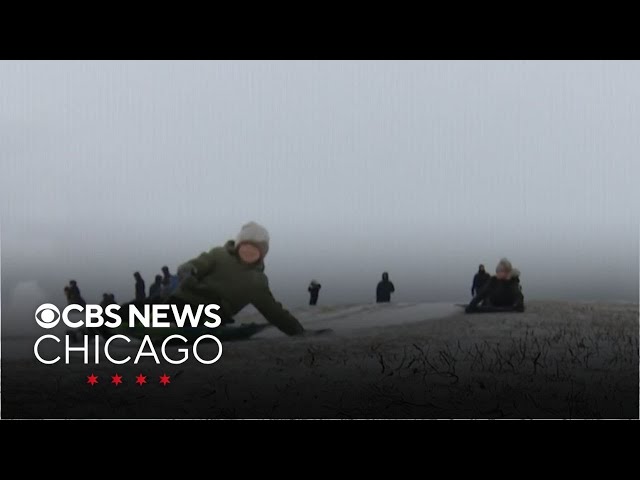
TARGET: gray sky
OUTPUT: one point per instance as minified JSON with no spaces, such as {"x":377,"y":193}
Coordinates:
{"x":424,"y":169}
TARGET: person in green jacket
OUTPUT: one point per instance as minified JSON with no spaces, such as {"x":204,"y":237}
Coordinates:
{"x":232,"y":276}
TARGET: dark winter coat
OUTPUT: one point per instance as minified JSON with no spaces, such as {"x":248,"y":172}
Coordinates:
{"x":314,"y":290}
{"x":140,"y":289}
{"x":479,"y":280}
{"x":155,"y":289}
{"x":501,"y":293}
{"x":384,"y":289}
{"x":75,"y":297}
{"x":222,"y":278}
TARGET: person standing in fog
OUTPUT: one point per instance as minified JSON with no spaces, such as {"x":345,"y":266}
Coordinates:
{"x":384,"y":289}
{"x":156,"y":288}
{"x":479,"y":280}
{"x":169,"y":282}
{"x":140,"y":288}
{"x":314,"y":291}
{"x":105,"y":301}
{"x":74,"y":294}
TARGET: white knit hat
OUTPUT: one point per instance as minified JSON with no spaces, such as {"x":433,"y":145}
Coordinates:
{"x":254,"y":233}
{"x":505,"y":264}
{"x":508,"y":267}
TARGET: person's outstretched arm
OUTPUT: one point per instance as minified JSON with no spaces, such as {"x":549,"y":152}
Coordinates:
{"x":274,"y":312}
{"x":393,"y":289}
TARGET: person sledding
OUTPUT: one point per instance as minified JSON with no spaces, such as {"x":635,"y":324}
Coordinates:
{"x":502,"y":292}
{"x":232,"y":276}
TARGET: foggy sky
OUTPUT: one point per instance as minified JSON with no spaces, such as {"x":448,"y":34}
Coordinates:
{"x":423,"y":169}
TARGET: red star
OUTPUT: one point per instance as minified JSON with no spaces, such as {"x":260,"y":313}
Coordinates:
{"x":140,"y":379}
{"x":164,"y":379}
{"x":117,"y":379}
{"x":92,"y":380}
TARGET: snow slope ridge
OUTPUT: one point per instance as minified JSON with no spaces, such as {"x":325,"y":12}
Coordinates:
{"x":347,"y":318}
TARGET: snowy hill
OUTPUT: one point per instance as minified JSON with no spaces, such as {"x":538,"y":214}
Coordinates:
{"x":349,"y":318}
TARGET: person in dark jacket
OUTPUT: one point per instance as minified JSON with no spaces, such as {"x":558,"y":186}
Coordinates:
{"x":169,"y":282}
{"x":73,"y":288}
{"x":156,"y":288}
{"x":140,"y":288}
{"x":479,"y":279}
{"x":384,"y":289}
{"x":74,"y":294}
{"x":106,"y":301}
{"x":314,"y":290}
{"x":502,"y":291}
{"x":232,"y":276}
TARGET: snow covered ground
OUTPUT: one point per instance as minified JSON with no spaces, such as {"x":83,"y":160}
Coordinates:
{"x":348,"y":319}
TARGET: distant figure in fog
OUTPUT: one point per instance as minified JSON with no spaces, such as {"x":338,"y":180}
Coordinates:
{"x":140,"y":288}
{"x":155,"y":289}
{"x":112,"y":299}
{"x":73,"y":289}
{"x":385,"y":289}
{"x":503,"y":291}
{"x":169,"y":282}
{"x":105,"y":301}
{"x":479,"y":279}
{"x":74,"y":294}
{"x":314,"y":290}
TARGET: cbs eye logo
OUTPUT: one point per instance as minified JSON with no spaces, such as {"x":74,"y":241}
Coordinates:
{"x":49,"y":315}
